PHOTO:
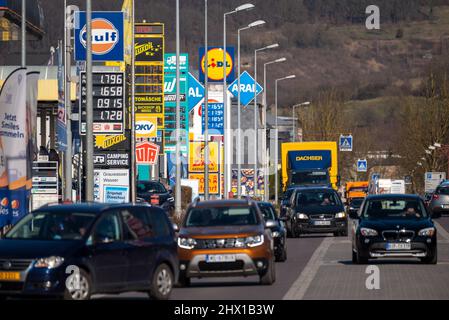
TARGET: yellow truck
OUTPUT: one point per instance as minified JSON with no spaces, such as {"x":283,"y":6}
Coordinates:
{"x":309,"y":164}
{"x":356,"y":189}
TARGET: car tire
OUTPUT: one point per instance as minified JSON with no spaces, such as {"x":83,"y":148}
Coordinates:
{"x":354,"y":257}
{"x":269,"y":277}
{"x":433,"y":259}
{"x":162,"y":283}
{"x":337,"y":234}
{"x":183,"y":281}
{"x":436,"y":215}
{"x":344,"y":233}
{"x":361,"y":259}
{"x":85,"y":290}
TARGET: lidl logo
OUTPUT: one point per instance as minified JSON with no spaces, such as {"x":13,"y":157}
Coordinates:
{"x":107,"y":36}
{"x":216,"y":64}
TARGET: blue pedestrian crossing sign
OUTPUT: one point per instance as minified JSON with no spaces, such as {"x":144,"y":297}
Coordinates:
{"x":362,"y":165}
{"x":345,"y":143}
{"x":247,"y":88}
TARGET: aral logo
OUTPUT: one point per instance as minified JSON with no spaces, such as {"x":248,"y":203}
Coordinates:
{"x":104,"y":36}
{"x":215,"y":63}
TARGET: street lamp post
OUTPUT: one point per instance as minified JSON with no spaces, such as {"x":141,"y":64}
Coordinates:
{"x":178,"y":119}
{"x":294,"y":121}
{"x":272,"y":46}
{"x":276,"y":178}
{"x":239,"y":128}
{"x":206,"y":107}
{"x":266,"y":157}
{"x":227,"y":113}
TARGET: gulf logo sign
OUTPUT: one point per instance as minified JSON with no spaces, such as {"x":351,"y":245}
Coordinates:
{"x":107,"y":36}
{"x":216,"y":64}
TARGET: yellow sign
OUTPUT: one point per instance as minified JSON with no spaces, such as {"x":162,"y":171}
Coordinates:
{"x":215,"y":70}
{"x":309,"y":158}
{"x":146,"y":125}
{"x":213,"y":182}
{"x":196,"y":157}
{"x":107,"y":141}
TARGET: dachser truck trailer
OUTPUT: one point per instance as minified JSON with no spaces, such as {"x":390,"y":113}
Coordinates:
{"x":309,"y":164}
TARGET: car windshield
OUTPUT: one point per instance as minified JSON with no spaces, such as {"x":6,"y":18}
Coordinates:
{"x":221,"y":216}
{"x":317,"y":198}
{"x":356,"y":203}
{"x":394,"y":208}
{"x":267,"y":211}
{"x":151,"y":187}
{"x":52,"y":226}
{"x":444,"y":191}
{"x":315,"y":177}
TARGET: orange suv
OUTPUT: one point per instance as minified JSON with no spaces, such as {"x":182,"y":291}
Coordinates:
{"x":225,"y":238}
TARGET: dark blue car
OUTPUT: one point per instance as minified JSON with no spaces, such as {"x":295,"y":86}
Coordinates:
{"x":74,"y":251}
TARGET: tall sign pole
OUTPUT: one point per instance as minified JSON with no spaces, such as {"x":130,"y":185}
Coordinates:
{"x":24,"y":47}
{"x":206,"y":107}
{"x":89,"y":191}
{"x":226,"y":120}
{"x":178,"y":119}
{"x":133,"y":109}
{"x":67,"y":104}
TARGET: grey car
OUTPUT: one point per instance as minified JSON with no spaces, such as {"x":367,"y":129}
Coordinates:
{"x":439,"y":203}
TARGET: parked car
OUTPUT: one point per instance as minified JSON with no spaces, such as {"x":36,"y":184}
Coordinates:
{"x":440,"y":200}
{"x":316,"y":210}
{"x":278,"y":232}
{"x":394,"y":226}
{"x":354,"y":205}
{"x":222,"y":238}
{"x":156,"y":194}
{"x":116,"y":248}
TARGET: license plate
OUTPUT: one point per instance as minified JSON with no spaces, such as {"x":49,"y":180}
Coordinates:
{"x":399,"y":246}
{"x":220,"y":258}
{"x":10,"y":276}
{"x":322,"y":223}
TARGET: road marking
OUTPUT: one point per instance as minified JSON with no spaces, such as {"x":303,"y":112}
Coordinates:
{"x":441,"y":231}
{"x":300,"y":286}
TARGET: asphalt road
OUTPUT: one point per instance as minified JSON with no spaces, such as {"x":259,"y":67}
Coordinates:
{"x":320,"y":267}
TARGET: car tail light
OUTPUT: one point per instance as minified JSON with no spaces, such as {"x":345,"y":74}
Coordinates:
{"x":435,"y":197}
{"x":154,"y":200}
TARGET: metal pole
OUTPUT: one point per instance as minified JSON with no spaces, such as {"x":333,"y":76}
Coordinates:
{"x":24,"y":47}
{"x":266,"y":162}
{"x":294,"y":124}
{"x":276,"y":182}
{"x":133,"y":111}
{"x":206,"y":108}
{"x":255,"y":123}
{"x":178,"y":120}
{"x":89,"y":108}
{"x":68,"y":108}
{"x":239,"y":127}
{"x":225,"y":108}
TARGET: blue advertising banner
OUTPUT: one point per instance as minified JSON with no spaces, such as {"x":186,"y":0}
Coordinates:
{"x":216,"y":119}
{"x":195,"y":93}
{"x":216,"y":65}
{"x":107,"y":36}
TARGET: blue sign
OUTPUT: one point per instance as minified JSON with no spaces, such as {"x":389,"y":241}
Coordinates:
{"x":246,"y":88}
{"x":362,"y":165}
{"x":309,"y":160}
{"x":195,"y":93}
{"x":345,"y":143}
{"x":107,"y":36}
{"x":216,"y":118}
{"x":114,"y":194}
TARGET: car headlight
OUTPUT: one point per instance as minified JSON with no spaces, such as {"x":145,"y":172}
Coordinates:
{"x":302,"y":216}
{"x":50,"y":262}
{"x":367,"y":232}
{"x":254,"y":241}
{"x":276,"y":234}
{"x":186,"y":243}
{"x":340,"y":215}
{"x":427,"y":232}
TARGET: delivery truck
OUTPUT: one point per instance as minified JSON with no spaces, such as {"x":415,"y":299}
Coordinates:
{"x":309,"y":164}
{"x":356,"y":189}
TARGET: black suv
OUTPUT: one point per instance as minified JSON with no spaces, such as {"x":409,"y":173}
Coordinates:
{"x":316,"y":210}
{"x":394,"y":226}
{"x":278,"y":231}
{"x":156,"y":194}
{"x":105,"y":248}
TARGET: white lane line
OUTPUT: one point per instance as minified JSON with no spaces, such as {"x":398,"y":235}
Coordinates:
{"x":441,"y":231}
{"x":300,"y":286}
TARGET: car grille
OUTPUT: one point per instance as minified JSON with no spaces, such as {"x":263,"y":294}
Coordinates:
{"x":14,"y":264}
{"x":215,"y":243}
{"x":322,"y":216}
{"x":221,"y":266}
{"x":11,"y":286}
{"x":398,"y":235}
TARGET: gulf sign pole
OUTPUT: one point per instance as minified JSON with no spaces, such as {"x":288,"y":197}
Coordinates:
{"x":89,"y":107}
{"x":178,"y":119}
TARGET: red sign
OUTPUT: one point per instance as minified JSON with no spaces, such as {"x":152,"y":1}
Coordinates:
{"x":147,"y":153}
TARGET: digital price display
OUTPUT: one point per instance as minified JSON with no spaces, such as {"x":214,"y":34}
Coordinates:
{"x":108,"y":94}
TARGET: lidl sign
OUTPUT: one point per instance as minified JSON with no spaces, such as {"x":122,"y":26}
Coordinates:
{"x":107,"y":36}
{"x":216,"y":64}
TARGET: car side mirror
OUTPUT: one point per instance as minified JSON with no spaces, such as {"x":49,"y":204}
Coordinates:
{"x":175,"y":227}
{"x":270,"y":224}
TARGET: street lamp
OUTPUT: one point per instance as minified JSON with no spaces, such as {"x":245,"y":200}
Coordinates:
{"x":276,"y":182}
{"x":294,"y":122}
{"x":227,"y":113}
{"x":239,"y":127}
{"x":271,"y":46}
{"x":266,"y":160}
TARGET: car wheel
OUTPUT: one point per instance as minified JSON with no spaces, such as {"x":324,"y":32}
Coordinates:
{"x":284,"y":255}
{"x":162,"y":283}
{"x":337,"y":234}
{"x":432,"y":259}
{"x":183,"y":280}
{"x":354,"y":257}
{"x":270,"y":274}
{"x":436,"y":215}
{"x":81,"y":292}
{"x":361,"y":259}
{"x":344,"y":233}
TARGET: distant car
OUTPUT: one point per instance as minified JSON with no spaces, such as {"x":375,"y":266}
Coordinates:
{"x":279,"y":232}
{"x":427,"y":198}
{"x":223,"y":238}
{"x":285,"y":201}
{"x":156,"y":194}
{"x":354,"y":205}
{"x":439,"y":203}
{"x":316,"y":210}
{"x":116,"y":248}
{"x":393,"y":226}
